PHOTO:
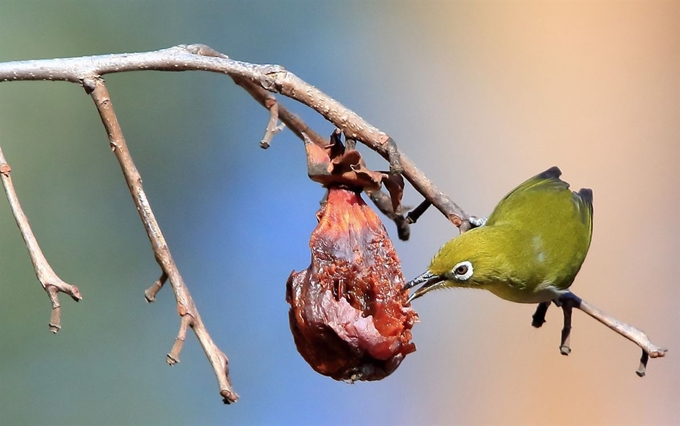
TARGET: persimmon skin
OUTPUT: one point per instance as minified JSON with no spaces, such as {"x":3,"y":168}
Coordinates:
{"x":349,"y":318}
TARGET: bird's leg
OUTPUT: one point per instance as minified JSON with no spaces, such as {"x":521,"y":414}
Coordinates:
{"x":538,"y":318}
{"x":642,"y":369}
{"x":414,"y":215}
{"x":567,"y":305}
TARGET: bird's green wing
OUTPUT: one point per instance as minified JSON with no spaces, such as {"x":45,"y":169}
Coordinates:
{"x":583,"y":200}
{"x":546,"y":184}
{"x":552,"y":227}
{"x":511,"y":204}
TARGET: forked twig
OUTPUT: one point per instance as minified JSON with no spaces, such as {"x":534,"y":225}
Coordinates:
{"x":570,"y":300}
{"x":50,"y":281}
{"x":185,"y":304}
{"x":301,"y":130}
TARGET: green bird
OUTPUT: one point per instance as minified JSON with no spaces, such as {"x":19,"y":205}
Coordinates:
{"x":528,"y":251}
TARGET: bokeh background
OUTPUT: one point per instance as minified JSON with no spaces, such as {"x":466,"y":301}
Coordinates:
{"x":481,"y":95}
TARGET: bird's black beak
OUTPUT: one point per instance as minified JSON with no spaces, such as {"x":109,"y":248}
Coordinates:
{"x":428,"y":280}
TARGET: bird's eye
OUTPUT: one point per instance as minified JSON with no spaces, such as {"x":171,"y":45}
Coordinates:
{"x":463,"y":270}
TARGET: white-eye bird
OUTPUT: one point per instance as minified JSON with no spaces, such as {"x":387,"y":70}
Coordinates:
{"x":530,"y":249}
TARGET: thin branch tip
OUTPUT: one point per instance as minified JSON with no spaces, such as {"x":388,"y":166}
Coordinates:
{"x":49,"y":280}
{"x":151,"y":292}
{"x":173,"y":356}
{"x":228,"y":396}
{"x":273,"y":126}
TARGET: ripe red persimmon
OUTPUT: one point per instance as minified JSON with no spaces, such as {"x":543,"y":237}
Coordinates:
{"x":349,"y":318}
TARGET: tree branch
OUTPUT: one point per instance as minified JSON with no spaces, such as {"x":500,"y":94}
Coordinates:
{"x":273,"y":78}
{"x":185,"y":305}
{"x":50,"y":281}
{"x":259,"y":81}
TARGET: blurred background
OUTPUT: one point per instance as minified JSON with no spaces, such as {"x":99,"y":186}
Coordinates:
{"x":481,"y":95}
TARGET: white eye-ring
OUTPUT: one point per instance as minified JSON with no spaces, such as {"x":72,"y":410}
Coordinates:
{"x":463,"y":270}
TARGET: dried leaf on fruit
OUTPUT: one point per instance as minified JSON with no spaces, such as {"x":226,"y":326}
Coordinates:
{"x":334,"y":165}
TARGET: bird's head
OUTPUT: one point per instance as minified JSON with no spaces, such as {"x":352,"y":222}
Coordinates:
{"x":464,"y":261}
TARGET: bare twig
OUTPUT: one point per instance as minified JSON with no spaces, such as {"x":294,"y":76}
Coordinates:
{"x":273,"y":126}
{"x":173,"y":355}
{"x":262,"y":96}
{"x":355,"y":127}
{"x":150,"y":293}
{"x":292,"y":121}
{"x":50,"y":281}
{"x":301,"y":130}
{"x":649,"y":350}
{"x":185,"y":305}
